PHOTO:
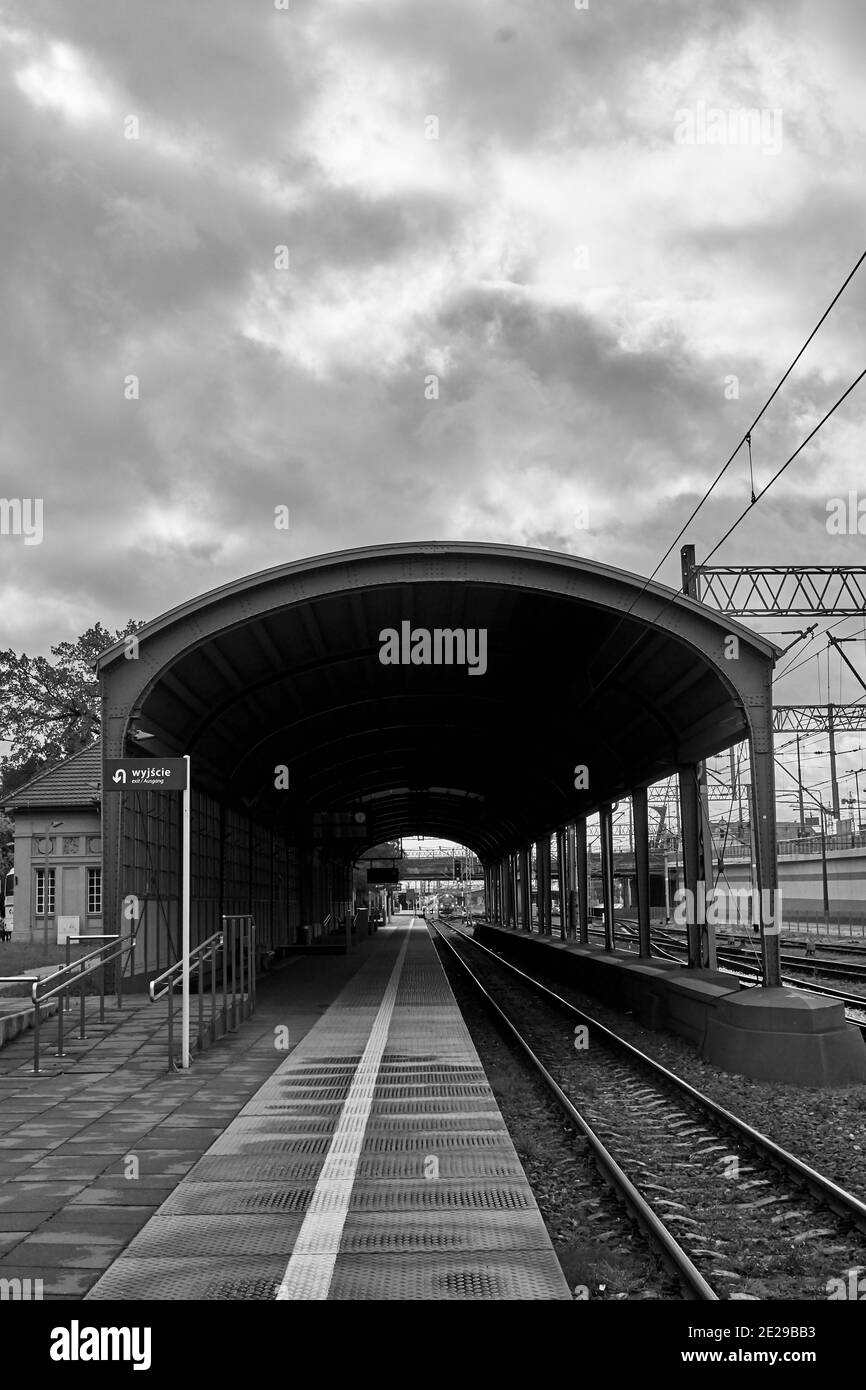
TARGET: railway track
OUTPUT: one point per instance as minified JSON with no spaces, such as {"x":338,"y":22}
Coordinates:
{"x":665,"y":943}
{"x":749,"y":974}
{"x":729,"y":1211}
{"x":664,"y":1244}
{"x":853,"y":970}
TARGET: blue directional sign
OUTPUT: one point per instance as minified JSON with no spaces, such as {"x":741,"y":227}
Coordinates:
{"x":145,"y":774}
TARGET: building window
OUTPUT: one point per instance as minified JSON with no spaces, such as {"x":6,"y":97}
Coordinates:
{"x":44,"y":892}
{"x":94,"y":891}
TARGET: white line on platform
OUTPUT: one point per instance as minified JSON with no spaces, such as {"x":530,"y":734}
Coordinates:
{"x":311,"y":1268}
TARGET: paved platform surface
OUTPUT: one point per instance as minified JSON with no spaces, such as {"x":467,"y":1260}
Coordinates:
{"x":91,"y":1148}
{"x":372,"y":1164}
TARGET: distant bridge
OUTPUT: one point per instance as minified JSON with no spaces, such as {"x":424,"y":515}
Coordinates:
{"x":430,"y":868}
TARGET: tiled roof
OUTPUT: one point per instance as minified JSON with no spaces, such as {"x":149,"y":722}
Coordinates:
{"x":74,"y":782}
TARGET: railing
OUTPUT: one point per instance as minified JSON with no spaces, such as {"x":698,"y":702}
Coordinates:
{"x":834,"y":926}
{"x":60,"y":981}
{"x":241,"y":930}
{"x":811,"y":844}
{"x":83,"y":941}
{"x":237,"y":940}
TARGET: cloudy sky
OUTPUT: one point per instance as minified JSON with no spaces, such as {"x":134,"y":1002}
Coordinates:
{"x":540,"y":271}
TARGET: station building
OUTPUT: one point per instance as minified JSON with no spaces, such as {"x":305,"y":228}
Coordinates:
{"x":58,"y":851}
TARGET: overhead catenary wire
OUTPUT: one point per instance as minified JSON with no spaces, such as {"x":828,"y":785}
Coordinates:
{"x":747,"y":436}
{"x":788,"y":461}
{"x":675,"y":597}
{"x":816,"y":637}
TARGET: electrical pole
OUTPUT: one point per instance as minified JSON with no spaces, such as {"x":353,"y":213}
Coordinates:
{"x":826,"y":886}
{"x":800,"y":785}
{"x":833,"y":782}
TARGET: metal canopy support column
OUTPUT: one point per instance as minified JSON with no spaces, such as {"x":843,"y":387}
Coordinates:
{"x":569,"y":907}
{"x":606,"y":837}
{"x":562,"y":879}
{"x":526,"y":888}
{"x":582,"y":880}
{"x":543,"y":860}
{"x":520,"y":898}
{"x":515,"y":887}
{"x":690,"y":822}
{"x":764,"y":839}
{"x":707,"y":929}
{"x":531,"y":876}
{"x":641,"y":868}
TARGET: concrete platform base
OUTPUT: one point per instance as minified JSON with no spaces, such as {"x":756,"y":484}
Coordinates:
{"x":785,"y":1035}
{"x":16,"y":1017}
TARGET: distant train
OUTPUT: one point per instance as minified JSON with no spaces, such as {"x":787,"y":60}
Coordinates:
{"x":448,"y":906}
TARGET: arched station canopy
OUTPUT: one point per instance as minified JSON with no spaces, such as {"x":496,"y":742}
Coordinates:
{"x":582,"y":665}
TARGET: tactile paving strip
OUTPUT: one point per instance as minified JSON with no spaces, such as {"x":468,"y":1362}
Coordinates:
{"x":432,"y":1205}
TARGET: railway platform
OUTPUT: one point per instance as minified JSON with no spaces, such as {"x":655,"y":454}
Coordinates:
{"x":373,"y":1163}
{"x":93,"y":1145}
{"x":783,"y":1034}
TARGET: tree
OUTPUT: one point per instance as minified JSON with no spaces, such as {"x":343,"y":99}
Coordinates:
{"x":50,"y":709}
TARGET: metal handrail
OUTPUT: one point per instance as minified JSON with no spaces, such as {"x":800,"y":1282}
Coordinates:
{"x":177,"y":968}
{"x":237,"y":929}
{"x":77,"y":941}
{"x":59,"y":981}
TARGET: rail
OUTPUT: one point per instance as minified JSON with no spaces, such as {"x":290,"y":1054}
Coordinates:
{"x":237,"y":940}
{"x":843,"y":1202}
{"x":672,"y":1253}
{"x":60,"y":981}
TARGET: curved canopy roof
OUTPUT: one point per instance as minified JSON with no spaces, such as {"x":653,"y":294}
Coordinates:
{"x":582,"y":665}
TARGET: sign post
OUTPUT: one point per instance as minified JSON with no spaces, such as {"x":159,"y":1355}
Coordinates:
{"x":185,"y":882}
{"x":168,"y":775}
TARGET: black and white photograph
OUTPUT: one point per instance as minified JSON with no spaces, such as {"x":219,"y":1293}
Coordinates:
{"x":432,"y":675}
